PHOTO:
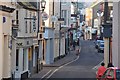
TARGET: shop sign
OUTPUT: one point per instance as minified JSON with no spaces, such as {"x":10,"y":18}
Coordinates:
{"x":44,"y":16}
{"x":19,"y":44}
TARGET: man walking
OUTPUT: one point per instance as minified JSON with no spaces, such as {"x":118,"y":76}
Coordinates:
{"x":101,"y":71}
{"x":74,"y":44}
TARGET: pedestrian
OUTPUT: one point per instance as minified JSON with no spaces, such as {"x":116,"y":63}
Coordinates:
{"x":110,"y":65}
{"x":78,"y":41}
{"x":101,"y":71}
{"x":74,"y":45}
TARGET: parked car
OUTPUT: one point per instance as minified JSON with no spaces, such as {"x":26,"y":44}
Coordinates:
{"x":97,"y":43}
{"x":112,"y":73}
{"x":101,"y":47}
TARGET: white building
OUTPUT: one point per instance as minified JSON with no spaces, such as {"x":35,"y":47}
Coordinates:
{"x":66,"y":14}
{"x":5,"y":39}
{"x":116,"y":36}
{"x":52,"y":47}
{"x":47,"y":53}
{"x":25,"y":51}
{"x":59,"y":47}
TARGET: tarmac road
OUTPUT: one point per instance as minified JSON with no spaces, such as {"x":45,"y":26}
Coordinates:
{"x":83,"y":67}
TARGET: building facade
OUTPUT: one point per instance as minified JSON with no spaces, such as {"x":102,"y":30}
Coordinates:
{"x":5,"y":39}
{"x":25,"y":51}
{"x":116,"y":36}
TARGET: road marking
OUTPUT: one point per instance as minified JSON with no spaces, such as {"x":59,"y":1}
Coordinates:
{"x":96,"y":67}
{"x":46,"y":74}
{"x":63,"y":66}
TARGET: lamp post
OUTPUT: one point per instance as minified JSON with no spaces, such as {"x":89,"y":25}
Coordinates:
{"x":60,"y":32}
{"x":107,"y":36}
{"x":99,"y":14}
{"x":43,"y":3}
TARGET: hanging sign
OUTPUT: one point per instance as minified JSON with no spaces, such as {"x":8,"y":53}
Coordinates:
{"x":44,"y":16}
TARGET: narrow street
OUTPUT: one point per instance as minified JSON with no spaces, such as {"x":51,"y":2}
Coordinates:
{"x":59,"y":39}
{"x":83,"y":67}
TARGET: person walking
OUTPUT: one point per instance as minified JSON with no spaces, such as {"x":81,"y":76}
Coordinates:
{"x":101,"y":71}
{"x":74,"y":44}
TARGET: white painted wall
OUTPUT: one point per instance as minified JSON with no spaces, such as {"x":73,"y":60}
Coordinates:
{"x":67,"y":6}
{"x":56,"y":48}
{"x":47,"y":10}
{"x":13,"y":56}
{"x":1,"y":46}
{"x":116,"y":36}
{"x":22,"y":24}
{"x":62,"y":49}
{"x":5,"y":32}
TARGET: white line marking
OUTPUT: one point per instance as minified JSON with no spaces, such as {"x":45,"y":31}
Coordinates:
{"x":96,"y":67}
{"x":46,"y":74}
{"x":63,"y":66}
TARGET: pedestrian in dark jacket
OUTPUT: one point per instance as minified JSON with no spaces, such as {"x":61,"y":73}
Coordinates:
{"x":74,"y":43}
{"x":78,"y":41}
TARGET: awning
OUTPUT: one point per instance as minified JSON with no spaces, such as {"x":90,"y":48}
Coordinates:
{"x":6,"y":8}
{"x":28,"y":5}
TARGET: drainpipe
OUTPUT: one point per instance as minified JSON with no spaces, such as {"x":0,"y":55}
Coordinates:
{"x":60,"y":33}
{"x":53,"y":15}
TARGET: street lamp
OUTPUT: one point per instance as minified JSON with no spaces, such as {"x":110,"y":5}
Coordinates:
{"x":43,"y":3}
{"x":99,"y":14}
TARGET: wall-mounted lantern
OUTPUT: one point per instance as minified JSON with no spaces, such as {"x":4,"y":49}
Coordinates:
{"x":43,"y":4}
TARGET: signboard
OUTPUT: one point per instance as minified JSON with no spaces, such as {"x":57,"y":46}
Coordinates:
{"x":44,"y":16}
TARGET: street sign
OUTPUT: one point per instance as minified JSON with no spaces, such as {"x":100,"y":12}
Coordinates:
{"x":54,"y":19}
{"x":44,"y":16}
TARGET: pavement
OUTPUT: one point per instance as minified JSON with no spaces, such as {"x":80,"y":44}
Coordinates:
{"x":47,"y":69}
